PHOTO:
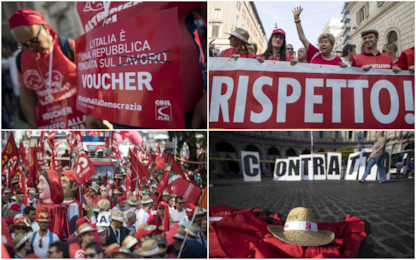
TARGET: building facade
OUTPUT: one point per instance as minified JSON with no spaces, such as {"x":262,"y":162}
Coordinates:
{"x":225,"y":16}
{"x":61,"y":16}
{"x":394,"y":21}
{"x":282,"y":144}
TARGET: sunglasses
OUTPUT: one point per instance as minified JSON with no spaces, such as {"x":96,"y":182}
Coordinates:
{"x":35,"y":42}
{"x":180,"y":203}
{"x":289,"y":49}
{"x":40,"y":243}
{"x":19,"y":228}
{"x":161,"y":208}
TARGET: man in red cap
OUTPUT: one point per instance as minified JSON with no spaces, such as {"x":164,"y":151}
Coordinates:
{"x":45,"y":67}
{"x":121,"y":204}
{"x":15,"y":211}
{"x":158,"y":218}
{"x":70,"y":184}
{"x":73,"y":237}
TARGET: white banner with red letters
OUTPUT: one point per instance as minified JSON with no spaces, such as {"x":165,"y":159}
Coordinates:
{"x":273,"y":94}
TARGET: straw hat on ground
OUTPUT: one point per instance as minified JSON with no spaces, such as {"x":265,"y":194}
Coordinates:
{"x":119,"y":216}
{"x":241,"y":34}
{"x":150,"y":248}
{"x":84,"y":228}
{"x":129,"y":241}
{"x":120,"y":249}
{"x":19,"y":241}
{"x":301,"y":229}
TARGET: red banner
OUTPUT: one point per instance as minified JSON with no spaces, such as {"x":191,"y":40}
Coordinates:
{"x":248,"y":94}
{"x":23,"y":155}
{"x":187,"y":190}
{"x":10,"y":151}
{"x":33,"y":167}
{"x":124,"y":71}
{"x":84,"y":167}
{"x":60,"y":115}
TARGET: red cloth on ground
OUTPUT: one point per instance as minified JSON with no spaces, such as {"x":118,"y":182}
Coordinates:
{"x":240,"y":234}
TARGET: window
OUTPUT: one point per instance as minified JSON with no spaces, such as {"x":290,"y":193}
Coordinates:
{"x":365,"y":134}
{"x":242,"y":26}
{"x":244,"y":14}
{"x":236,"y":20}
{"x":350,"y":134}
{"x":238,"y":5}
{"x":217,"y":13}
{"x":321,"y":134}
{"x":248,"y":20}
{"x":380,"y":3}
{"x":215,"y":30}
{"x":306,"y":134}
{"x":392,"y":38}
{"x":336,"y":134}
{"x":363,"y":13}
{"x":289,"y":133}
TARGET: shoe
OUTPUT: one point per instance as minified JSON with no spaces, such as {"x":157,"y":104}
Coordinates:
{"x":361,"y":181}
{"x":380,"y":182}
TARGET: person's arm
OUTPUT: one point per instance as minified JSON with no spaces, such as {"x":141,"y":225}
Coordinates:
{"x":28,"y":103}
{"x":302,"y":38}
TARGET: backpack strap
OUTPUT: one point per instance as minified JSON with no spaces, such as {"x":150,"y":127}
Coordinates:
{"x":18,"y":61}
{"x":66,"y":47}
{"x":156,"y":219}
{"x":50,"y":238}
{"x":34,"y":236}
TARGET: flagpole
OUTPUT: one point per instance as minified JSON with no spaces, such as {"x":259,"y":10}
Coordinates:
{"x":187,"y":231}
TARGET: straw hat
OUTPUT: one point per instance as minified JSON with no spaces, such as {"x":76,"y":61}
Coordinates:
{"x":150,"y":248}
{"x":103,"y":204}
{"x":101,"y":229}
{"x":120,"y":249}
{"x":129,"y":241}
{"x":7,"y":190}
{"x":96,"y":208}
{"x":116,"y":191}
{"x":43,"y":217}
{"x":19,"y":241}
{"x":119,"y":216}
{"x":95,"y":187}
{"x":181,"y":234}
{"x":241,"y":34}
{"x":146,"y":199}
{"x":193,"y":230}
{"x":165,"y":193}
{"x":13,"y":197}
{"x":15,"y":179}
{"x":133,"y":201}
{"x":301,"y":229}
{"x":144,"y":229}
{"x":163,"y":222}
{"x":110,"y":248}
{"x":19,"y":223}
{"x":84,"y":228}
{"x":32,"y":191}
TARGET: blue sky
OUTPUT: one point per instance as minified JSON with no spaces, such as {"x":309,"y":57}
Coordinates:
{"x":314,"y":17}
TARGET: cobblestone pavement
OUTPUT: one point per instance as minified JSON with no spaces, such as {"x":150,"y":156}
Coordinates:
{"x":387,"y":209}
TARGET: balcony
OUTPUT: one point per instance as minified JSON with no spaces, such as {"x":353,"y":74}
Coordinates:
{"x":346,"y":18}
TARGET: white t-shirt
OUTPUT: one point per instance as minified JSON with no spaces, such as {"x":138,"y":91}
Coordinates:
{"x":141,"y":217}
{"x":345,"y":61}
{"x":43,"y":252}
{"x":179,"y":217}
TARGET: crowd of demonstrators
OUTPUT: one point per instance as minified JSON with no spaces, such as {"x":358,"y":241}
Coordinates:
{"x":278,"y":50}
{"x":136,"y":228}
{"x":34,"y":39}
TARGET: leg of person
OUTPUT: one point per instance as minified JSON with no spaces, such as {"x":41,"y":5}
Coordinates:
{"x":369,"y":166}
{"x":381,"y":169}
{"x":397,"y":173}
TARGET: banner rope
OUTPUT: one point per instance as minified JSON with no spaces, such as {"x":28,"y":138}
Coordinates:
{"x":180,"y":159}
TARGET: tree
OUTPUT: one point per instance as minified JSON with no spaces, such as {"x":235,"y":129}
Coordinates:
{"x":190,"y":137}
{"x":346,"y":151}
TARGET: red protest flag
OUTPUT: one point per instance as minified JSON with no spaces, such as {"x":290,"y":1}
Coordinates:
{"x":51,"y":136}
{"x":9,"y":151}
{"x":134,"y":167}
{"x":22,"y":154}
{"x":166,"y":222}
{"x":175,"y":167}
{"x":28,"y":133}
{"x":160,"y":163}
{"x":42,"y":136}
{"x":189,"y":191}
{"x":84,"y":167}
{"x":144,"y":171}
{"x":164,"y":181}
{"x":6,"y":233}
{"x":78,"y":139}
{"x":33,"y":168}
{"x":23,"y":186}
{"x":114,"y":144}
{"x":203,"y":202}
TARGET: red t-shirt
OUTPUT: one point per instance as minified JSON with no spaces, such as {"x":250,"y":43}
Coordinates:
{"x":318,"y":59}
{"x":231,"y":51}
{"x":288,"y":57}
{"x":378,"y":61}
{"x":151,"y":221}
{"x":407,"y":59}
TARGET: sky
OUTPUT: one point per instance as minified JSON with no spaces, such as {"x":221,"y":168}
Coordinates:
{"x":314,"y":17}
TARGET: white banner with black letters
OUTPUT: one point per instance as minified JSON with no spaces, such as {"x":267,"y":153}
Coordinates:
{"x":251,"y":166}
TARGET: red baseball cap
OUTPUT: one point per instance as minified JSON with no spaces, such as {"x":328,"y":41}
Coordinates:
{"x":80,"y":221}
{"x":15,"y":207}
{"x":279,"y":31}
{"x":72,"y":175}
{"x":121,"y":198}
{"x":25,"y":17}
